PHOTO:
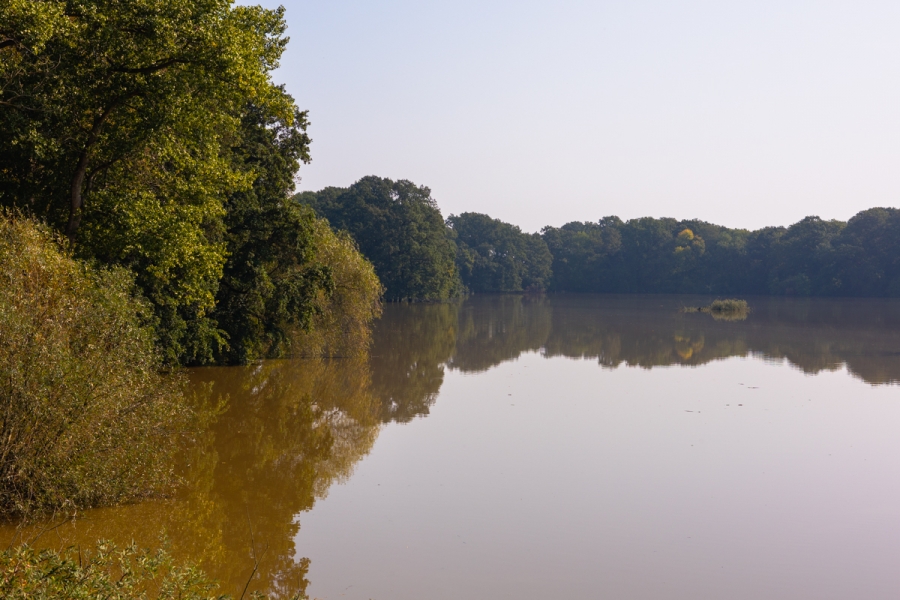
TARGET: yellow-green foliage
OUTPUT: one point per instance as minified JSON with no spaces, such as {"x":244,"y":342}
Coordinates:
{"x":342,"y":323}
{"x":86,"y":416}
{"x":106,"y":572}
{"x":729,"y":305}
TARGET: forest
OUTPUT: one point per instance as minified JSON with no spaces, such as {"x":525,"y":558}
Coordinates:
{"x":418,"y":259}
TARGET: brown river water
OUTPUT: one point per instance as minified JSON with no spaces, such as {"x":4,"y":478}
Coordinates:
{"x":563,"y":446}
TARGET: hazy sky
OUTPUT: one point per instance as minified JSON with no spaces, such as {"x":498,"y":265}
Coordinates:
{"x":539,"y":113}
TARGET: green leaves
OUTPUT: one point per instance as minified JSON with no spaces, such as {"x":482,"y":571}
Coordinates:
{"x":399,"y":228}
{"x":79,"y":376}
{"x":494,"y":256}
{"x":118,"y":121}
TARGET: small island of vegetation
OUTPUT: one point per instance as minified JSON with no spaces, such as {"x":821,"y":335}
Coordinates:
{"x":731,"y":309}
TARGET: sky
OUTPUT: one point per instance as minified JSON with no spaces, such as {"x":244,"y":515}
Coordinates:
{"x":745,"y":114}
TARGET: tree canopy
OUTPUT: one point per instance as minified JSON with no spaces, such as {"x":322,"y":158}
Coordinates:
{"x":150,"y":134}
{"x":493,"y":256}
{"x":812,"y":257}
{"x":117,"y":120}
{"x":399,"y":228}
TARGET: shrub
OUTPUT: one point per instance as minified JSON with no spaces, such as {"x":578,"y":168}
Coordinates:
{"x":106,"y":572}
{"x":86,"y":417}
{"x":341,"y":324}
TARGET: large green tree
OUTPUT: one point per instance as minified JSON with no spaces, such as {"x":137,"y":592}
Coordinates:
{"x":398,"y":227}
{"x":271,"y":280}
{"x":117,"y":120}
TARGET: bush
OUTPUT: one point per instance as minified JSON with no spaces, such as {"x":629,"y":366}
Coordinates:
{"x":341,"y":325}
{"x":87,"y":417}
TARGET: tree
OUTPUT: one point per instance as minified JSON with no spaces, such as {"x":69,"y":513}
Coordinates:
{"x":116,"y":123}
{"x":493,"y":256}
{"x":343,"y":314}
{"x":398,"y":227}
{"x":585,"y":255}
{"x":270,"y":280}
{"x":801,"y":256}
{"x":866,"y":260}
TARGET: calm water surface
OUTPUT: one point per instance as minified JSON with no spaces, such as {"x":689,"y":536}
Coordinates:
{"x":554,"y":447}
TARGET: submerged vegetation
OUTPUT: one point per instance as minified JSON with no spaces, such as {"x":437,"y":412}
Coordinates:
{"x":728,"y":305}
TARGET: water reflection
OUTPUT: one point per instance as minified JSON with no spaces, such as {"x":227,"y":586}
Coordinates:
{"x":294,"y":428}
{"x":651,"y":331}
{"x":495,"y":329}
{"x":415,"y":343}
{"x":812,"y":334}
{"x":290,"y":430}
{"x":412,"y":343}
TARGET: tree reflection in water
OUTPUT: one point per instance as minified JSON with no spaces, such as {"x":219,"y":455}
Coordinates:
{"x":293,"y":428}
{"x":812,"y":334}
{"x":290,"y":430}
{"x":412,"y":343}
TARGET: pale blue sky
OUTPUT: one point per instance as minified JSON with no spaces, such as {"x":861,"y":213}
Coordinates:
{"x":539,"y":113}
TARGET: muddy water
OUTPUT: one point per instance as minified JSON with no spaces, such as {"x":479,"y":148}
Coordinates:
{"x":564,"y":446}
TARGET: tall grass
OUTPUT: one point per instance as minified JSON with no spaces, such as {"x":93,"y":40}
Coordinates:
{"x":86,"y":417}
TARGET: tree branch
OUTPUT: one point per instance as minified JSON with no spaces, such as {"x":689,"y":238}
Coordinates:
{"x":77,"y":197}
{"x":158,"y":66}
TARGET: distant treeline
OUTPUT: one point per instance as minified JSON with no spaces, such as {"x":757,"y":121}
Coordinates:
{"x":417,"y":255}
{"x":810,"y":258}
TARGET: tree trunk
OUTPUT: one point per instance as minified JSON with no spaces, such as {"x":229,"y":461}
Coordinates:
{"x":77,"y":198}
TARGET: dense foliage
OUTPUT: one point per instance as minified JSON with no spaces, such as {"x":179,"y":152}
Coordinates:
{"x":342,"y":314}
{"x":270,"y":278}
{"x":87,"y":419}
{"x":494,"y":256}
{"x":398,"y":227}
{"x":811,"y":257}
{"x":106,"y":572}
{"x":150,"y":134}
